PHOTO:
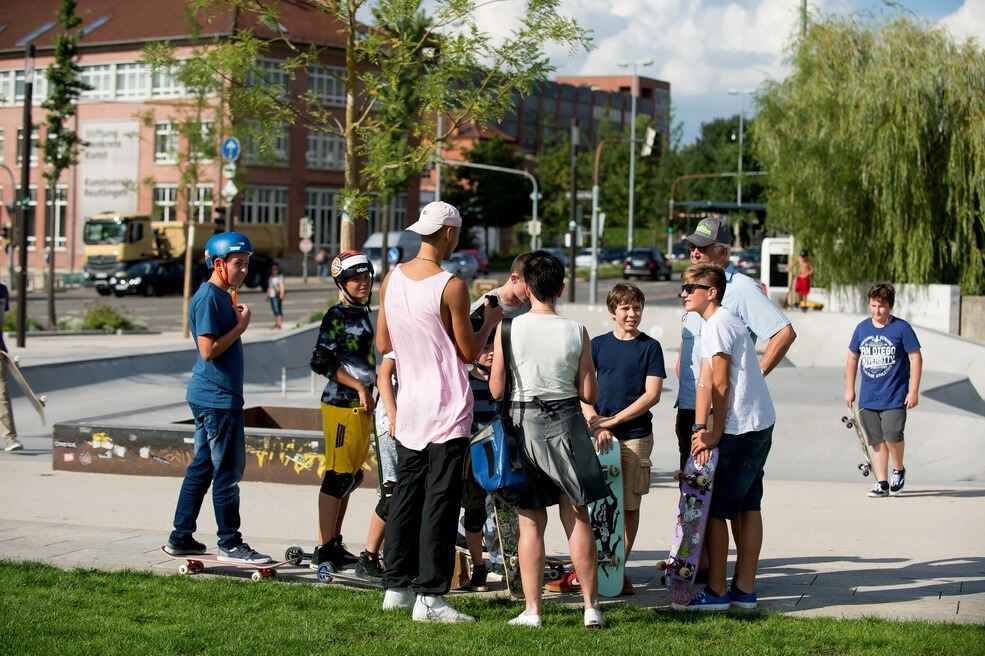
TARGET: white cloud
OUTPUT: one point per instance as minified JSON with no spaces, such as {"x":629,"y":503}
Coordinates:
{"x":967,"y":21}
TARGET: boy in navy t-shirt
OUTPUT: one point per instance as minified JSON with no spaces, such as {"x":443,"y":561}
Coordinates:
{"x":215,"y":396}
{"x":629,"y":365}
{"x":887,"y":352}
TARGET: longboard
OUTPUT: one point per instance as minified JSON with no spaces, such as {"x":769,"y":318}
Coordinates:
{"x":328,"y":574}
{"x":37,"y":401}
{"x":196,"y":563}
{"x":508,"y":536}
{"x":608,"y":519}
{"x":689,"y":528}
{"x":853,"y":422}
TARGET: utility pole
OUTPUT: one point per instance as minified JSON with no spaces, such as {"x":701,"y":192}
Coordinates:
{"x":573,"y":223}
{"x":634,"y":91}
{"x":26,"y":212}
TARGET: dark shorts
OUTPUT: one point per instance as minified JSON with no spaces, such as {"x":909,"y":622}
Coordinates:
{"x":739,"y":479}
{"x":277,"y":305}
{"x":883,"y":425}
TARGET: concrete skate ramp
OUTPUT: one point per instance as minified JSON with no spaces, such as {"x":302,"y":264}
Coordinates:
{"x":960,"y":394}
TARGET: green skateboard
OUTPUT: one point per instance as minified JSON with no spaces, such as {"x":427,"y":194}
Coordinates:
{"x":607,"y":519}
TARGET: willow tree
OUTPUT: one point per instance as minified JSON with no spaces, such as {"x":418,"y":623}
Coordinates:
{"x":462,"y":74}
{"x":877,"y":152}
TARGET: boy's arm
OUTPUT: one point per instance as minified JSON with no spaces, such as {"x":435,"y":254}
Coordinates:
{"x":677,"y":367}
{"x":851,"y":369}
{"x":210,"y":347}
{"x":649,"y":398}
{"x":497,"y":373}
{"x":586,"y":384}
{"x":702,"y":393}
{"x":455,"y":310}
{"x":384,"y":383}
{"x":704,"y":440}
{"x":916,"y":369}
{"x":365,"y":397}
{"x":383,"y":344}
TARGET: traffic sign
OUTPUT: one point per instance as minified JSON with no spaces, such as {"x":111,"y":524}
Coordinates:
{"x":229,"y":191}
{"x":229,"y":170}
{"x":305,"y":246}
{"x":307,"y":229}
{"x":533,"y":227}
{"x":231,"y":149}
{"x":393,"y":255}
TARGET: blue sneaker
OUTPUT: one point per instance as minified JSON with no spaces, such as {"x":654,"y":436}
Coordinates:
{"x":745,"y":601}
{"x":705,"y":601}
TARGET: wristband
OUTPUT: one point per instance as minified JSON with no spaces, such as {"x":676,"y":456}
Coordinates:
{"x":696,"y":427}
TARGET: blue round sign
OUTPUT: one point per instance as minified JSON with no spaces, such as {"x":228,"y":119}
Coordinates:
{"x":393,"y":255}
{"x":230,"y":149}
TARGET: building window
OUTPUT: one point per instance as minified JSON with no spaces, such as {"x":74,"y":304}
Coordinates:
{"x":267,"y":149}
{"x":131,"y":81}
{"x":37,"y":91}
{"x":206,"y":142}
{"x":325,"y":151}
{"x":398,"y":214}
{"x":320,"y":205}
{"x":327,"y":84}
{"x":269,"y":73}
{"x":264,"y":204}
{"x":6,"y":87}
{"x":60,"y":205}
{"x":35,"y":141}
{"x":165,"y":84}
{"x":202,"y":202}
{"x":100,"y":78}
{"x":165,"y":143}
{"x":165,"y":201}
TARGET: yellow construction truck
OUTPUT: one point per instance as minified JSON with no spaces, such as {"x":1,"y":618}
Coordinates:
{"x":115,"y":242}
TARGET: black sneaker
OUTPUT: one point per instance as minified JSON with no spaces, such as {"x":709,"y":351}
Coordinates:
{"x":189,"y":547}
{"x":477,"y":583}
{"x":896,"y":484}
{"x":334,"y":553}
{"x":369,"y":566}
{"x":880,"y":489}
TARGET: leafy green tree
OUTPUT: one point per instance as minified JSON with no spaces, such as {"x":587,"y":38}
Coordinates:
{"x":61,"y":146}
{"x":874,"y":144}
{"x":466,"y":75}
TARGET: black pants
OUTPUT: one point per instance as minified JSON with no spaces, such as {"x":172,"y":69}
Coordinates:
{"x":423,"y":521}
{"x":685,"y":419}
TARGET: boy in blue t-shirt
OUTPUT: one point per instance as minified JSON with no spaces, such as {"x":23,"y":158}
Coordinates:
{"x":215,"y":396}
{"x":629,"y":365}
{"x":890,"y":384}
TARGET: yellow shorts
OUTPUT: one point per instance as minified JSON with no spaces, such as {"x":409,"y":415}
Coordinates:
{"x":346,"y":438}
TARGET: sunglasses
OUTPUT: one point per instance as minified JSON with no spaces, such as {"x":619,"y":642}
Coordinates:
{"x":688,"y":288}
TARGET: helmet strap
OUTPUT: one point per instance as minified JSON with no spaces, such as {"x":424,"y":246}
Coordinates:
{"x":350,"y":300}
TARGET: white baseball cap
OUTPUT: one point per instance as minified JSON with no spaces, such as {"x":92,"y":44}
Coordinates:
{"x":434,"y":216}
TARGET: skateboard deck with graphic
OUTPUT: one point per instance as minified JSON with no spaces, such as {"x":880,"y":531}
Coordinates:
{"x":196,"y":563}
{"x":508,"y":536}
{"x":689,"y":528}
{"x":608,"y":525}
{"x":37,"y":401}
{"x":853,"y":422}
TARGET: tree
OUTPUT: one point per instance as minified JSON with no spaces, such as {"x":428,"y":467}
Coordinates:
{"x":489,"y":198}
{"x":61,"y":146}
{"x":874,"y":144}
{"x":460,"y":72}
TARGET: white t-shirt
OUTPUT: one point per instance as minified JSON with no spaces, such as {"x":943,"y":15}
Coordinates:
{"x":273,"y":285}
{"x":546,"y":349}
{"x":749,"y":405}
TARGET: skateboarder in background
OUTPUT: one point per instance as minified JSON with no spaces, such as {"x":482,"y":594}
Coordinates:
{"x":629,"y":365}
{"x":215,"y":396}
{"x":803,"y":270}
{"x":344,"y":354}
{"x":890,"y":383}
{"x":732,"y":383}
{"x":424,"y":320}
{"x":553,"y":372}
{"x":10,"y":441}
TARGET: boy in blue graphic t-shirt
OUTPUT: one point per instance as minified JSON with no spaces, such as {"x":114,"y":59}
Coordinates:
{"x":629,"y":365}
{"x":886,"y":350}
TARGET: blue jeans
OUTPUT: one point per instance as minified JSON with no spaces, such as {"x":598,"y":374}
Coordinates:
{"x":220,"y":458}
{"x":277,"y":306}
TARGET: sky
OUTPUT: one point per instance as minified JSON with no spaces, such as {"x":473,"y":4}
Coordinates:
{"x":705,"y":48}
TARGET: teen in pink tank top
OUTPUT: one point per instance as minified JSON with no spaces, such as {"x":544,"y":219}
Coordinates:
{"x":434,"y":398}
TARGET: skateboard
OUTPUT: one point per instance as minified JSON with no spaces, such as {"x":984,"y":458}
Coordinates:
{"x":299,"y":554}
{"x":607,"y":519}
{"x":196,"y":563}
{"x":508,"y":536}
{"x":853,"y":422}
{"x":689,"y":529}
{"x":37,"y":401}
{"x":327,"y":574}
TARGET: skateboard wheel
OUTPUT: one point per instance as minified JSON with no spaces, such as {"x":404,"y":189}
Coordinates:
{"x":514,"y":562}
{"x":701,"y":481}
{"x":295,"y":554}
{"x":678,"y":475}
{"x":195,"y":565}
{"x":257,"y":576}
{"x":43,"y":399}
{"x":615,"y":560}
{"x":663,"y":564}
{"x":183,"y":569}
{"x":685,"y":572}
{"x":613,"y":470}
{"x":325,"y":574}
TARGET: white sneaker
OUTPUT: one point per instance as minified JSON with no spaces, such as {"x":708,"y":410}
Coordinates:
{"x":593,"y":618}
{"x":434,"y":608}
{"x":526,"y":620}
{"x":398,"y":599}
{"x":13,"y":445}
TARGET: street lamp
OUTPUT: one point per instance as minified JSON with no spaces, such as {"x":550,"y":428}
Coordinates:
{"x":25,"y":212}
{"x":634,"y":91}
{"x":742,"y":116}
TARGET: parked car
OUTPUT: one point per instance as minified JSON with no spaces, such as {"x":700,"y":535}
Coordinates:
{"x":646,"y":263}
{"x":480,"y":257}
{"x":584,"y":258}
{"x":681,"y":251}
{"x":749,"y":262}
{"x":612,"y":255}
{"x":559,"y":253}
{"x":463,"y":265}
{"x":150,"y":278}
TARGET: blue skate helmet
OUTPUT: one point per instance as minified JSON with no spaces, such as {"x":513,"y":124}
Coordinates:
{"x":225,"y":244}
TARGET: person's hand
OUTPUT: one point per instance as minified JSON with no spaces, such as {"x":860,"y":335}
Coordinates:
{"x":243,"y":315}
{"x":702,"y":443}
{"x":912,"y":399}
{"x":603,"y":441}
{"x":365,"y":398}
{"x":850,"y":397}
{"x":492,"y":313}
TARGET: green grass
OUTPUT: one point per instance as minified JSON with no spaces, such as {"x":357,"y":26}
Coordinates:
{"x":48,"y":611}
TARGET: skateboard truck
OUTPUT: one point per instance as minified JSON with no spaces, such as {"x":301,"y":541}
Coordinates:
{"x":681,"y":567}
{"x":697,"y":481}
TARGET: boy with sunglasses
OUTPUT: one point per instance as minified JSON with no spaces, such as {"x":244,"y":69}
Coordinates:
{"x":731,"y":383}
